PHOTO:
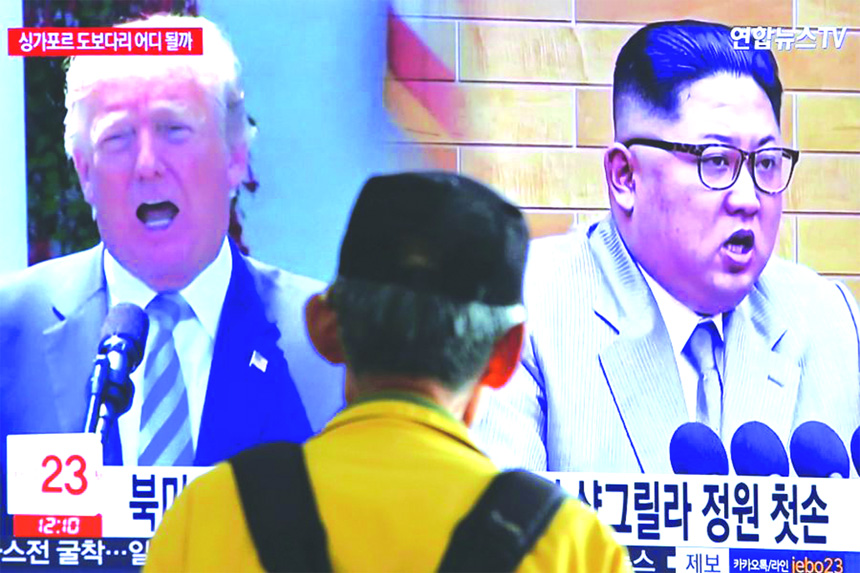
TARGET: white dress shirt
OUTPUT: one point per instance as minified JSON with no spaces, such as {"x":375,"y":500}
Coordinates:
{"x":194,"y":338}
{"x":681,"y":322}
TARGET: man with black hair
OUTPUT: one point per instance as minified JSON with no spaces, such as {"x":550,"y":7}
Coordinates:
{"x":672,"y":310}
{"x":426,"y":308}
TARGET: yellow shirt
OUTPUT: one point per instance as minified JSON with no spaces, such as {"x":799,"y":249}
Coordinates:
{"x":392,"y":476}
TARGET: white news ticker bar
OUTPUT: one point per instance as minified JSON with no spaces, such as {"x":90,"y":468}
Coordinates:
{"x":644,"y":509}
{"x":132,"y":501}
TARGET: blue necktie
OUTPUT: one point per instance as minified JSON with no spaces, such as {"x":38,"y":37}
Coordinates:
{"x":709,"y":395}
{"x":165,"y":427}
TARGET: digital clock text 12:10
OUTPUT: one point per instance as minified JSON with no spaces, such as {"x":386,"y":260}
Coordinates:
{"x":50,"y":525}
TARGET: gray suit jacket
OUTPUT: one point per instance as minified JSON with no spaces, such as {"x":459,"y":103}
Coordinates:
{"x":598,"y":388}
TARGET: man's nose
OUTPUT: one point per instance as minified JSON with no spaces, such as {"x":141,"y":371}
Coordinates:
{"x":149,"y":163}
{"x":743,"y":195}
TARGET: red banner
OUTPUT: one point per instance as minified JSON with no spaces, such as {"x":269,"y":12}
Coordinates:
{"x":48,"y":42}
{"x":89,"y":526}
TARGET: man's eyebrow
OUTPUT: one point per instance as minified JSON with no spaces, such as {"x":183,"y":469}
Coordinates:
{"x":106,"y":121}
{"x":721,"y":138}
{"x":113,"y":117}
{"x":730,"y":141}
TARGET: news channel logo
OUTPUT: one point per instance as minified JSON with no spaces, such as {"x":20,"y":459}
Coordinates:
{"x":788,"y":39}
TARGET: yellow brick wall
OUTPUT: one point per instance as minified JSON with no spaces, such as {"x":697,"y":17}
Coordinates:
{"x":536,"y":74}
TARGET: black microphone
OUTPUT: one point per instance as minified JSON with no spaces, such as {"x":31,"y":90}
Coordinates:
{"x":855,"y":449}
{"x":817,"y":451}
{"x":123,"y":340}
{"x":758,"y":451}
{"x":695,"y":449}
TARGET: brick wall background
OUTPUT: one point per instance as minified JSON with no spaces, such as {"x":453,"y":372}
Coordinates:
{"x":534,"y":79}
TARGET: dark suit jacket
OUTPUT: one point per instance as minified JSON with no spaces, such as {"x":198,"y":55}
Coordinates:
{"x":50,"y":318}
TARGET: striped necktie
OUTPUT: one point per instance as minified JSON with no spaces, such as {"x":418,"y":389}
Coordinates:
{"x":709,"y":396}
{"x":165,"y":428}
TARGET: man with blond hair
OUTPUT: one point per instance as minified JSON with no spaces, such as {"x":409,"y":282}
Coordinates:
{"x":159,"y":145}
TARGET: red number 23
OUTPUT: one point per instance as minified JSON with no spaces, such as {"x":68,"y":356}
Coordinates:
{"x":79,"y":474}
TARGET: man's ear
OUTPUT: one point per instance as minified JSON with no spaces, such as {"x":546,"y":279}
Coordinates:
{"x":503,"y":362}
{"x":619,"y":165}
{"x":321,"y":320}
{"x":504,"y":359}
{"x":83,"y":161}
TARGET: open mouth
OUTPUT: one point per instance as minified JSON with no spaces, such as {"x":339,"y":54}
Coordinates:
{"x":741,"y":242}
{"x":157,"y":215}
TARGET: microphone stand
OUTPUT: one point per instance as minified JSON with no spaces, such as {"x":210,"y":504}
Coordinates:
{"x":101,"y":371}
{"x":111,"y":394}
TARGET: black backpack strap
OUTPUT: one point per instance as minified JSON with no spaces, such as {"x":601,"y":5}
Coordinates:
{"x":280,"y":508}
{"x":504,"y":524}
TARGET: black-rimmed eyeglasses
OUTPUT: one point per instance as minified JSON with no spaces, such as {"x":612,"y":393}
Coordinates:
{"x":720,"y":164}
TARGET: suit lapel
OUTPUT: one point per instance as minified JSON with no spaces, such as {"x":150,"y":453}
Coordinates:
{"x":80,"y":305}
{"x":247,"y":402}
{"x":759,"y":383}
{"x":639,"y":364}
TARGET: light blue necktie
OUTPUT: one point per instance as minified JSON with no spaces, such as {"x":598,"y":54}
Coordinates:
{"x":165,"y":427}
{"x":709,"y":395}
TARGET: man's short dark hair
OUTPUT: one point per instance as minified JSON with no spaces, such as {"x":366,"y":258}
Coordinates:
{"x":430,"y":276}
{"x":394,"y":330}
{"x":662,"y":58}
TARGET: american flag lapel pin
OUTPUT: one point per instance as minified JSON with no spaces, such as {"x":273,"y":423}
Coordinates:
{"x":258,"y":361}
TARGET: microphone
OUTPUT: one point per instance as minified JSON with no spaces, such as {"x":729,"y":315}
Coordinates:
{"x":855,"y":449}
{"x":817,"y":451}
{"x":123,"y":340}
{"x":758,"y":451}
{"x":696,"y":449}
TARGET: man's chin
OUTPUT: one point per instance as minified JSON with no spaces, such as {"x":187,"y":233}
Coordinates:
{"x":729,"y":293}
{"x":163,"y":268}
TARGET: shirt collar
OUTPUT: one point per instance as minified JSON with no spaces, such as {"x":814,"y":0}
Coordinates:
{"x":205,"y":294}
{"x":403,"y":405}
{"x":679,"y":319}
{"x":405,"y":396}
